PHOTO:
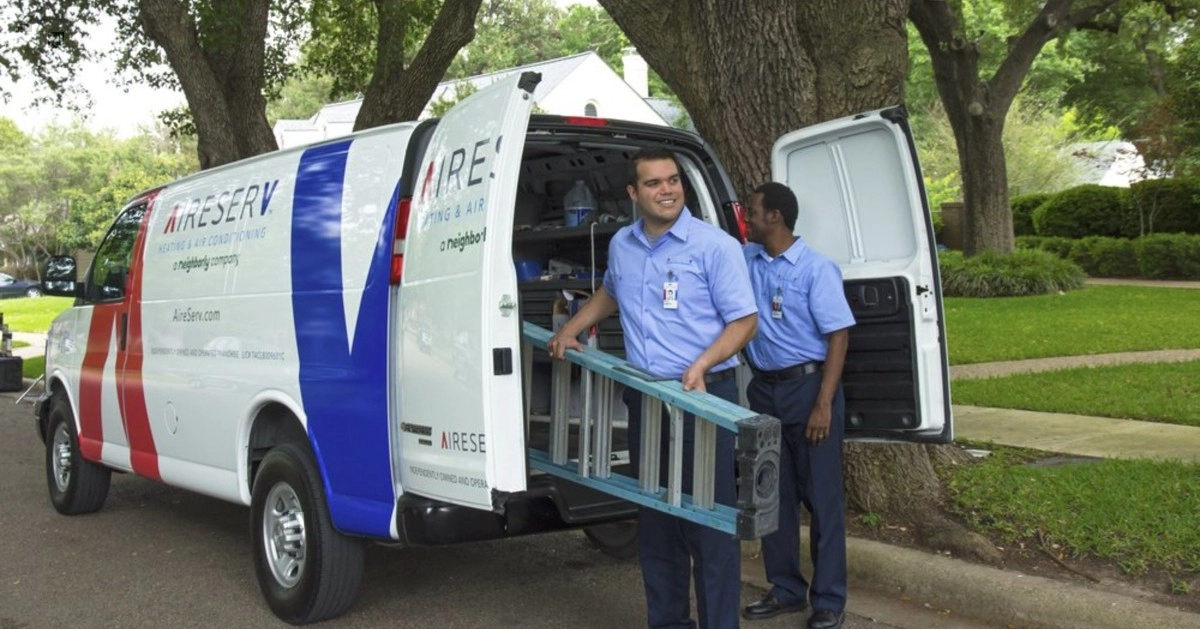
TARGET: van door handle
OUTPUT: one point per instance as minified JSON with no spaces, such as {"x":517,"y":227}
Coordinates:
{"x":124,"y":329}
{"x":507,"y":305}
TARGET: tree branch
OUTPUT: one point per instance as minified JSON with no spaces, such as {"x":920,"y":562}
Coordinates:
{"x":1054,"y":18}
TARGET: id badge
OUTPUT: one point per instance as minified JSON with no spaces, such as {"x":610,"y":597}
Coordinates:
{"x":671,"y":295}
{"x":777,"y":305}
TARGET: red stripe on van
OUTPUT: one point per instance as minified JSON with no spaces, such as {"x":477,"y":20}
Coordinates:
{"x":107,"y":320}
{"x":91,"y":379}
{"x":143,"y":454}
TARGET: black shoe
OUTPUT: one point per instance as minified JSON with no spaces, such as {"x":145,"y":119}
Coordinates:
{"x":825,"y":619}
{"x":768,"y":607}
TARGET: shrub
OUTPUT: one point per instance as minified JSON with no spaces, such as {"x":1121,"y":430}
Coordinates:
{"x":1022,"y":212}
{"x":1023,"y":272}
{"x":1058,"y":245}
{"x":1167,"y":205}
{"x":1087,"y":210}
{"x":1105,"y":257}
{"x":1169,"y":256}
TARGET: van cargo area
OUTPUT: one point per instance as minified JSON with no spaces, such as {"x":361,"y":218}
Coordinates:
{"x":560,"y":261}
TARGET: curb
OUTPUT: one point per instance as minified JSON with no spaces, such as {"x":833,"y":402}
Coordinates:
{"x":996,"y":596}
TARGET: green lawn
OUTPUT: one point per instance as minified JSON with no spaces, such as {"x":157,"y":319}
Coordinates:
{"x":33,"y":314}
{"x":1141,"y":514}
{"x":33,"y":367}
{"x":1159,"y":392}
{"x":1094,"y":320}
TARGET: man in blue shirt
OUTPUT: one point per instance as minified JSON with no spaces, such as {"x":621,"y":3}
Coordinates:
{"x":686,"y":310}
{"x":797,"y":358}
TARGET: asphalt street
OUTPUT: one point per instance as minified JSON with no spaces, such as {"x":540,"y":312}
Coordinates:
{"x":159,"y":557}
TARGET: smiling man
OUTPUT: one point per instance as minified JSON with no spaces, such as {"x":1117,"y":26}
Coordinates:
{"x":683,"y":290}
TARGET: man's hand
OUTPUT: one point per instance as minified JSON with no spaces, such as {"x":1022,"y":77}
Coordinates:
{"x":693,"y":378}
{"x":560,"y":343}
{"x":818,"y":424}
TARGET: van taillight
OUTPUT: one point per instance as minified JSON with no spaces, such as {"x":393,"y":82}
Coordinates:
{"x":739,"y":216}
{"x":586,"y":121}
{"x":402,"y":212}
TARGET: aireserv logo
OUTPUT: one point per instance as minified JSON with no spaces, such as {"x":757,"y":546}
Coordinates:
{"x":222,"y":207}
{"x":447,"y":175}
{"x":463,"y":441}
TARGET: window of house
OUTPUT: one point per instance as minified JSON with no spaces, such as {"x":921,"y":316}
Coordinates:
{"x":589,"y":109}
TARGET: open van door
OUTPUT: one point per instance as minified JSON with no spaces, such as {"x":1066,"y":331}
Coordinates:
{"x":863,"y":204}
{"x":462,"y":436}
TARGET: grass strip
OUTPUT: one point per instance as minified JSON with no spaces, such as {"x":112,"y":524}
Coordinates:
{"x":33,"y":314}
{"x":1141,"y":514}
{"x":1093,"y":320}
{"x":1156,"y":392}
{"x":33,"y":367}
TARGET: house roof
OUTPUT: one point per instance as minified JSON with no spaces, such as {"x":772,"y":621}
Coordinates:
{"x":669,"y":111}
{"x":343,"y":112}
{"x":554,"y":71}
{"x":290,"y":124}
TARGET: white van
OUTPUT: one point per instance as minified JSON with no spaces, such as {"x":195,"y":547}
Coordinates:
{"x":328,"y":334}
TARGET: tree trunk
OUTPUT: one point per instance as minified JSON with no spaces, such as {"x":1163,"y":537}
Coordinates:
{"x":221,"y":75}
{"x":748,"y":71}
{"x":398,"y":93}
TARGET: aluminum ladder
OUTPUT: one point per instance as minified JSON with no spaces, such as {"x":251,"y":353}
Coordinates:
{"x":758,"y":437}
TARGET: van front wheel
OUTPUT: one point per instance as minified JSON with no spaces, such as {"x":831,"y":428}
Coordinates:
{"x":77,"y":486}
{"x":307,"y":570}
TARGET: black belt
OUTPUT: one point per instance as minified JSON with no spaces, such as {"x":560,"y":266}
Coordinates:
{"x":788,"y":373}
{"x":720,"y":375}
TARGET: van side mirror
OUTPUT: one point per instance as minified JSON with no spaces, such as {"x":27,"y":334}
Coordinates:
{"x":59,"y":278}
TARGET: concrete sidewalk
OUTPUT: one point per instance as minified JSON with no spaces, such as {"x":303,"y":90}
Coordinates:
{"x":36,"y":347}
{"x":1077,"y":435}
{"x":1005,"y":368}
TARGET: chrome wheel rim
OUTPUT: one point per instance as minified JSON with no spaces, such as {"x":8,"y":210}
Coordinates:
{"x":60,"y":458}
{"x":284,"y":539}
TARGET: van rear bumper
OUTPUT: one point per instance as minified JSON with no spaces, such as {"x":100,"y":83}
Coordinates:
{"x":549,"y":504}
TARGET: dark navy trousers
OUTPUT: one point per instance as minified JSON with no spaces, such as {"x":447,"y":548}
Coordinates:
{"x":672,"y":550}
{"x":810,"y":475}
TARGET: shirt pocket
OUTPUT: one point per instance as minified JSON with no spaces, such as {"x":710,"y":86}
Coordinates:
{"x":795,"y":297}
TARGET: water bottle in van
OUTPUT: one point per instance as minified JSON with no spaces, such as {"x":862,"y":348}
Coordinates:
{"x":579,"y":205}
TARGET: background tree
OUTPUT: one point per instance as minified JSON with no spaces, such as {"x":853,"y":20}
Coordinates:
{"x":63,"y":186}
{"x":977,"y":107}
{"x":1183,"y":105}
{"x":1127,"y":64}
{"x":510,"y":33}
{"x":229,"y":56}
{"x":749,"y":72}
{"x":351,"y":36}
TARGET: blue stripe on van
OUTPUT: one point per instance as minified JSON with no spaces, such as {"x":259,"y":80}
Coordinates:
{"x":345,"y":394}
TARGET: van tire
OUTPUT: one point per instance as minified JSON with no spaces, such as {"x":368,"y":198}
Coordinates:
{"x":307,"y":570}
{"x":76,"y":485}
{"x":618,"y":540}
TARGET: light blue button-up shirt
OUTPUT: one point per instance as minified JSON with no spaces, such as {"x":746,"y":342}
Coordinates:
{"x":813,"y":305}
{"x":713,"y":290}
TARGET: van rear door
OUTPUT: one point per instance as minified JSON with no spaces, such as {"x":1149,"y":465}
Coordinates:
{"x":862,"y":203}
{"x":462,"y":433}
